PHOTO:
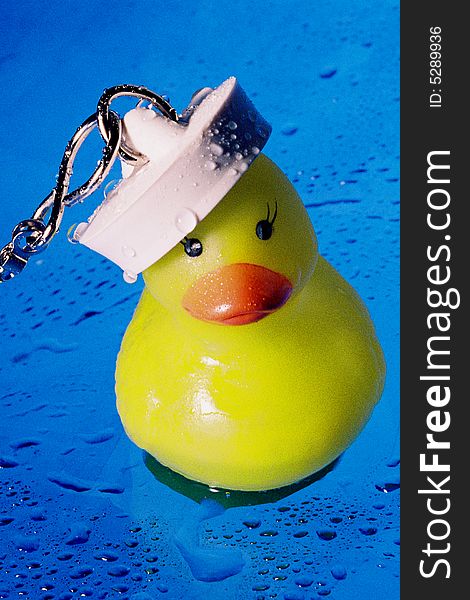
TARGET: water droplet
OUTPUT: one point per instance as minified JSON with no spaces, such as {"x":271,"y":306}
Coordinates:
{"x":232,"y":125}
{"x":24,"y":443}
{"x":26,"y":543}
{"x":38,"y":516}
{"x":151,"y":559}
{"x":210,"y":165}
{"x":289,"y":129}
{"x":368,"y":530}
{"x":128,"y":251}
{"x":252,"y":115}
{"x":109,"y":187}
{"x":120,"y":589}
{"x":326,"y":534}
{"x":216,"y":149}
{"x":148,"y":114}
{"x":79,"y":533}
{"x":69,"y":483}
{"x":300,"y":534}
{"x":129,"y":277}
{"x":389,"y":486}
{"x":186,"y":220}
{"x":328,"y":72}
{"x":336,"y":519}
{"x":71,"y":234}
{"x":262,"y":587}
{"x":107,"y":556}
{"x":64,"y":556}
{"x":339,"y":572}
{"x":118,"y":571}
{"x":81,"y":572}
{"x":111,"y":489}
{"x":252,"y":523}
{"x":303,"y":581}
{"x":97,"y":437}
{"x":269,"y":533}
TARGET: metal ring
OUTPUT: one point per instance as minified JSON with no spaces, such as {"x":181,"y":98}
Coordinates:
{"x":58,"y":198}
{"x":26,"y":237}
{"x":110,"y":126}
{"x":33,"y":235}
{"x":110,"y":152}
{"x":103,"y":113}
{"x":10,"y":264}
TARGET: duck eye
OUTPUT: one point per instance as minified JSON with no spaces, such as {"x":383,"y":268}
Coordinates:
{"x":264,"y":228}
{"x":192,"y":247}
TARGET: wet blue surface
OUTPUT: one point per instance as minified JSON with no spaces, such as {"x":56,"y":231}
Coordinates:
{"x":81,"y":512}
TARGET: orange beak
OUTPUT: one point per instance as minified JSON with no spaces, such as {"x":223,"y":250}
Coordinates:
{"x":237,"y":294}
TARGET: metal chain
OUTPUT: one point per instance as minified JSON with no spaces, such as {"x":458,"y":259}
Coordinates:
{"x":33,"y":235}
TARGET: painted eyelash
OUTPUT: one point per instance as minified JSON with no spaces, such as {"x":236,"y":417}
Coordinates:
{"x":275,"y":213}
{"x":264,"y":228}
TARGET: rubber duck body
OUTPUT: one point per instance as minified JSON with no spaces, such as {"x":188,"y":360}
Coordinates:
{"x":250,"y":363}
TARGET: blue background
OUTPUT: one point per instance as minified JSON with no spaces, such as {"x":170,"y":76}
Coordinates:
{"x":80,"y":513}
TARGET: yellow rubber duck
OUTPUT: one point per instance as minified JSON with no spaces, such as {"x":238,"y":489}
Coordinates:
{"x":250,"y":363}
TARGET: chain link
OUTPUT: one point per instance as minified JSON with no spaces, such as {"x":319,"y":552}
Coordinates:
{"x":33,"y":235}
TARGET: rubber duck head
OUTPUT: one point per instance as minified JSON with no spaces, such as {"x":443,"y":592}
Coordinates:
{"x":254,"y":252}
